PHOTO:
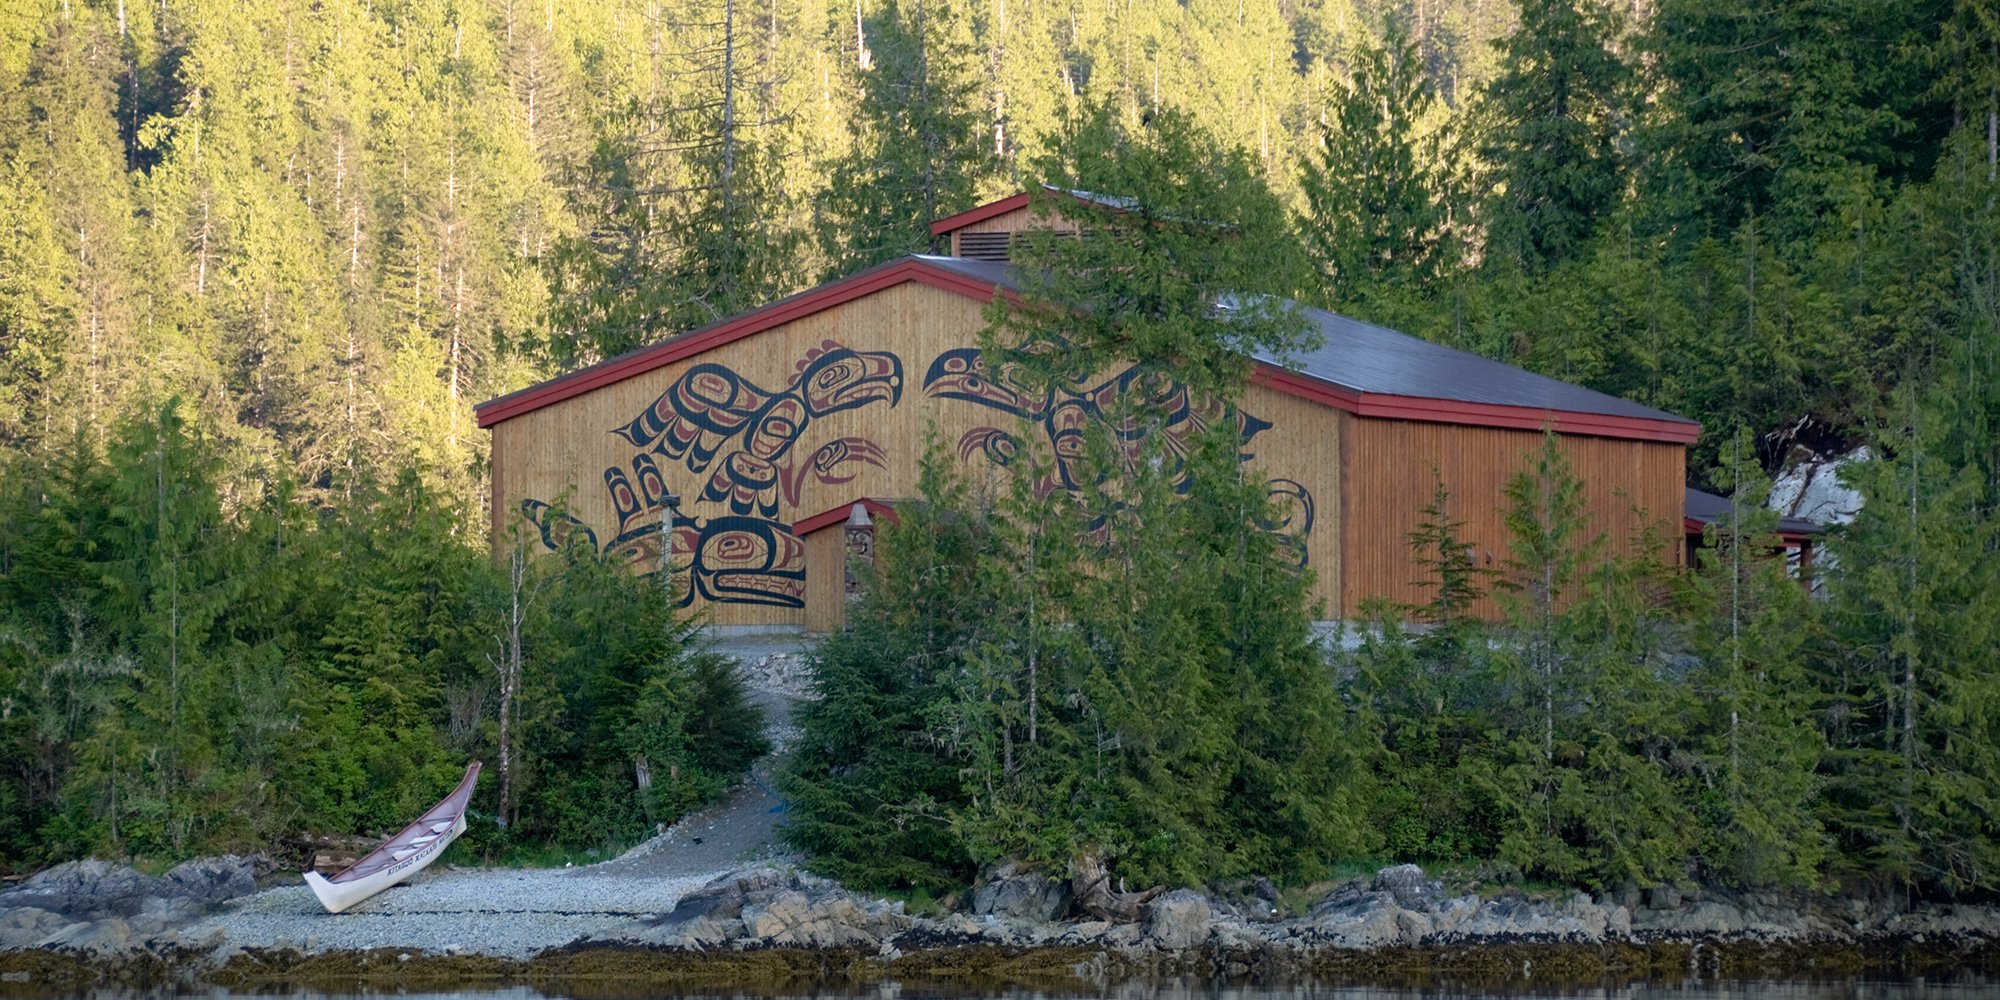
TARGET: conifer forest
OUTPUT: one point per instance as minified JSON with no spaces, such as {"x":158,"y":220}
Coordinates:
{"x":260,"y":258}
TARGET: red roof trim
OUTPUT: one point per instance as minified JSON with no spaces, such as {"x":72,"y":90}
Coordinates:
{"x":1451,"y":411}
{"x":835,"y":515}
{"x":868,"y":282}
{"x":980,"y":214}
{"x":715,"y":335}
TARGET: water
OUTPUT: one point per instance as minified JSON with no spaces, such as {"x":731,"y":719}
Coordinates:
{"x":1967,"y":986}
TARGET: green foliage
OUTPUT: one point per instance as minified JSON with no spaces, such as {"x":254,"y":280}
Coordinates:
{"x":871,"y":790}
{"x":329,"y":228}
{"x":1375,"y":220}
{"x":184,"y":672}
{"x":921,"y":155}
{"x":1556,"y":113}
{"x":1914,"y":769}
{"x":1454,"y":578}
{"x":1751,"y":730}
{"x":1185,"y":255}
{"x":1044,"y":678}
{"x":1119,"y":668}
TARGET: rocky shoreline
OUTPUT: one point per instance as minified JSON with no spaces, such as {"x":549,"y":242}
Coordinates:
{"x":206,"y":923}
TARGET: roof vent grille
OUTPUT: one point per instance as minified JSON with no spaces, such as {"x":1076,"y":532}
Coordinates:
{"x":986,"y":246}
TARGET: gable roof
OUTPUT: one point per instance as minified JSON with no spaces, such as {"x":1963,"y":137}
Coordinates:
{"x":1368,"y":370}
{"x":995,"y":209}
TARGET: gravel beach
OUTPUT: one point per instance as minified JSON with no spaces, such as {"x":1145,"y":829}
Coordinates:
{"x":502,"y":912}
{"x":515,"y":913}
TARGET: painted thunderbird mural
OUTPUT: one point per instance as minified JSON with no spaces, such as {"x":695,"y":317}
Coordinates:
{"x":740,"y":442}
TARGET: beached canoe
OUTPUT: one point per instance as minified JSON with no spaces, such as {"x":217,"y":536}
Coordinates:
{"x":402,"y":855}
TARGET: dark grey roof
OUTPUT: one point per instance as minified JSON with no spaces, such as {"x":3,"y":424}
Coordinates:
{"x":1708,"y":509}
{"x":1367,"y":358}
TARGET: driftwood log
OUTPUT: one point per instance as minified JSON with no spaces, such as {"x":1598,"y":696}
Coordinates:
{"x":329,"y":853}
{"x":1090,"y":886}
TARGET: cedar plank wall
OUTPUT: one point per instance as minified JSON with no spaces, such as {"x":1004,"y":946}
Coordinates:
{"x":1388,"y":467}
{"x":566,"y":446}
{"x":826,"y":578}
{"x":1017,"y":221}
{"x":1010,"y":222}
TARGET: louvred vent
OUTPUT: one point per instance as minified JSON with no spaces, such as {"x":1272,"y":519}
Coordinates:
{"x":986,"y":246}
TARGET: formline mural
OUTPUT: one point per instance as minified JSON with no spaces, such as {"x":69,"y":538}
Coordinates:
{"x":733,"y":447}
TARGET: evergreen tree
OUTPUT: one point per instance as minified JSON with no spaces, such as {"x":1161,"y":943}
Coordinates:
{"x":1782,"y":111}
{"x":871,"y":792}
{"x":686,"y":218}
{"x":1755,"y":785}
{"x":1554,"y":119}
{"x":920,"y":156}
{"x":1914,"y":781}
{"x":1375,"y":223}
{"x":1186,"y":256}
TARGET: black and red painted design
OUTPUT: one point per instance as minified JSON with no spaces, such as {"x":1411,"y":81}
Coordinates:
{"x":1065,"y":411}
{"x":719,"y":425}
{"x":737,"y":440}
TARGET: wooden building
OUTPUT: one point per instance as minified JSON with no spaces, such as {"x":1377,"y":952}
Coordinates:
{"x":773,"y":425}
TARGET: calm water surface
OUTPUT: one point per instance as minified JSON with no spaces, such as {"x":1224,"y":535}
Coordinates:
{"x":1966,"y":987}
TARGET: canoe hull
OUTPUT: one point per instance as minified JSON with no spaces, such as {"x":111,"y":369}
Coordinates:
{"x":401,"y":856}
{"x":338,"y":896}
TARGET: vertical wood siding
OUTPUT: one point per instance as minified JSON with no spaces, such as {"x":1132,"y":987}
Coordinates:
{"x":1389,"y":465}
{"x":561,"y":452}
{"x":826,"y":579}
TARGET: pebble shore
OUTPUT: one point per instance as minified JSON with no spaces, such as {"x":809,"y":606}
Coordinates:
{"x":506,"y":913}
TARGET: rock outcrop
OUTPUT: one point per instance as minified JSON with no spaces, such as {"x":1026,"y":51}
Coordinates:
{"x":776,"y":907}
{"x":1018,"y":892}
{"x":103,"y":907}
{"x":1400,"y":907}
{"x":102,"y":910}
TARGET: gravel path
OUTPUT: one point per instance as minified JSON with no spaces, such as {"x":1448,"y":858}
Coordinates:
{"x":518,"y":912}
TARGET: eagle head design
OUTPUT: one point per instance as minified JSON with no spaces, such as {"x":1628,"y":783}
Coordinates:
{"x":833,"y":378}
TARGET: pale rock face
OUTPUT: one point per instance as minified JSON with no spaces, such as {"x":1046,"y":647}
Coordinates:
{"x":1012,"y":891}
{"x":1359,"y":919}
{"x":777,"y":919}
{"x":1811,"y":489}
{"x":24,"y":926}
{"x":1180,"y":919}
{"x":1412,"y":889}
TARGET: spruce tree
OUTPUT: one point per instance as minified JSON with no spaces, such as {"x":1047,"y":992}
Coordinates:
{"x":1375,"y":221}
{"x":1915,"y":772}
{"x":919,"y":155}
{"x":1553,"y":120}
{"x":1755,"y":784}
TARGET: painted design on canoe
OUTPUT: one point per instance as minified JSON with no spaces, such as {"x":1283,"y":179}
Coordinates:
{"x":1064,"y":412}
{"x":740,"y":442}
{"x":402,"y":855}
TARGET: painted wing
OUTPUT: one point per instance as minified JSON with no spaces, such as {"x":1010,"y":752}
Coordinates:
{"x":705,"y":409}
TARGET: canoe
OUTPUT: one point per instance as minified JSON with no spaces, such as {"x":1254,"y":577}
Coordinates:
{"x":402,"y":855}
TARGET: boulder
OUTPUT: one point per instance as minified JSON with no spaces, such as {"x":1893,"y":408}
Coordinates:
{"x":1356,"y":918}
{"x":96,"y":890}
{"x":1253,"y":900}
{"x":86,"y":888}
{"x":1410,"y":887}
{"x":1179,"y":920}
{"x":778,"y":917}
{"x":725,"y":896}
{"x":103,"y":937}
{"x":1012,"y":890}
{"x":22,"y":926}
{"x":212,"y":882}
{"x":1515,"y":916}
